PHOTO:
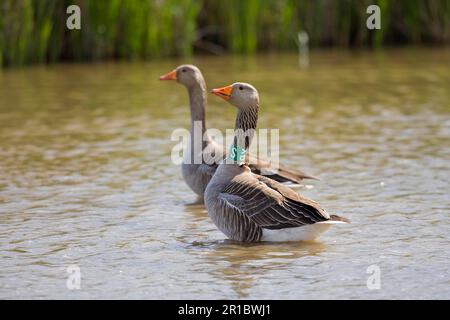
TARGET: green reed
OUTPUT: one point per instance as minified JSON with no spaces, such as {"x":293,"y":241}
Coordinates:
{"x":34,"y":31}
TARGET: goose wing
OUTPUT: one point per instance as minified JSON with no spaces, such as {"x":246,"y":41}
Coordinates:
{"x":270,"y":204}
{"x":280,"y":174}
{"x":266,"y":168}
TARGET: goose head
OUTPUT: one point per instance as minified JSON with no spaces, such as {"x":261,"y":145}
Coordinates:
{"x":186,"y":74}
{"x":240,"y":94}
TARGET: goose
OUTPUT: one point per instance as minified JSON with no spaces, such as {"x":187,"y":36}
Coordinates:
{"x":198,"y":174}
{"x":248,"y":207}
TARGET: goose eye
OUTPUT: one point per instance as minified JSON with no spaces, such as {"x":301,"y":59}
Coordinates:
{"x":240,"y":88}
{"x":183,"y":70}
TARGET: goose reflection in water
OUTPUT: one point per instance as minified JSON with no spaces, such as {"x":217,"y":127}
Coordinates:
{"x":241,"y":267}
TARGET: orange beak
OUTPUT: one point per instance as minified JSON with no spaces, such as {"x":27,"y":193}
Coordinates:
{"x":172,"y":75}
{"x":224,"y":92}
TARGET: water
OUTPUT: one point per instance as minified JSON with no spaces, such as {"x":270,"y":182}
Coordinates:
{"x":86,"y":179}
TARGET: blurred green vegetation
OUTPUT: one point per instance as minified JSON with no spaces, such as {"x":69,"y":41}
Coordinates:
{"x":34,"y":31}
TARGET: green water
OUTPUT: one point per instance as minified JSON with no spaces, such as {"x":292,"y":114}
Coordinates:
{"x":86,"y":178}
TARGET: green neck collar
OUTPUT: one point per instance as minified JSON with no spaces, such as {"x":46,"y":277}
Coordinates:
{"x":237,"y":154}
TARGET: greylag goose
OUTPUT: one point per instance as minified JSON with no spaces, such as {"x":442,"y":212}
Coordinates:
{"x":249,"y":207}
{"x":197,"y":175}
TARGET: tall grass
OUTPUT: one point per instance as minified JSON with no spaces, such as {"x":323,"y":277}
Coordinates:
{"x":34,"y":31}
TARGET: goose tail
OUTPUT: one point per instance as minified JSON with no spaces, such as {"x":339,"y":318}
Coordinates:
{"x":337,"y":218}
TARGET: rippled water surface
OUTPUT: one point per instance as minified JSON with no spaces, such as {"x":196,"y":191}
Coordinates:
{"x":86,"y":179}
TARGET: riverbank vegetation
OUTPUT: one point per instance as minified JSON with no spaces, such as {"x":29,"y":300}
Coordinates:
{"x":34,"y":31}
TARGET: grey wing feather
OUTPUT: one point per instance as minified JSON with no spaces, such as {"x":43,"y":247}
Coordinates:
{"x":270,"y":204}
{"x":280,"y":174}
